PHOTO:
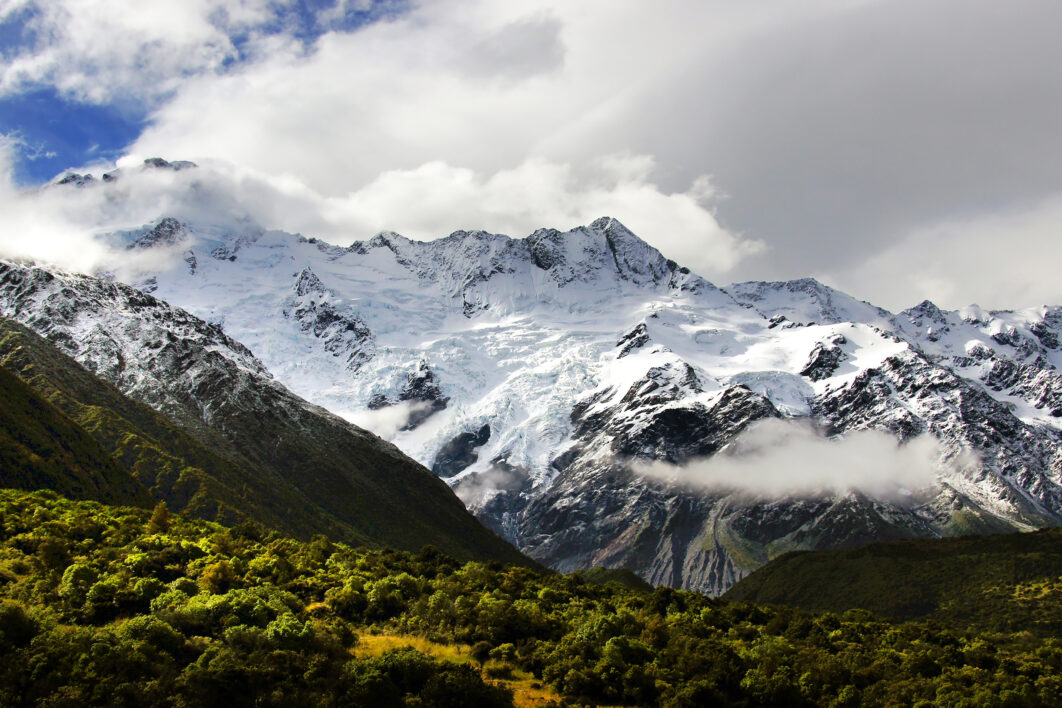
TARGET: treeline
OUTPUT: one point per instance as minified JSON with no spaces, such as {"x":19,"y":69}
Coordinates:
{"x":120,"y":606}
{"x":1005,"y":583}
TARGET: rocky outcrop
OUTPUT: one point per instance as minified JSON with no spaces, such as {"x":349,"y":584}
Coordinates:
{"x":168,"y":232}
{"x":339,"y":329}
{"x":459,"y":452}
{"x":824,"y":359}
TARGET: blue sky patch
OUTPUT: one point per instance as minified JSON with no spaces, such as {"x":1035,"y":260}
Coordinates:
{"x":16,"y":32}
{"x":55,"y":134}
{"x":306,"y":20}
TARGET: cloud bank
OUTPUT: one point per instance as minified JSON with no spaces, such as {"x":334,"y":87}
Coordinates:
{"x":832,"y":130}
{"x":59,"y":223}
{"x":478,"y":488}
{"x":775,"y":458}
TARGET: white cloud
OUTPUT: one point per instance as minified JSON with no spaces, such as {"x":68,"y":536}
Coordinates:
{"x":460,"y":115}
{"x":387,"y":421}
{"x":427,"y":202}
{"x":831,"y":125}
{"x":774,"y":458}
{"x":103,"y":50}
{"x":1005,"y":259}
{"x":477,"y":488}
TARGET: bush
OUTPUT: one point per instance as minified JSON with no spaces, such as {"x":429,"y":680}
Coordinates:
{"x":16,"y":627}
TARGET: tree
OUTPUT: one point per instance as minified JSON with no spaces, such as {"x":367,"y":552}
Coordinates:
{"x":160,"y":519}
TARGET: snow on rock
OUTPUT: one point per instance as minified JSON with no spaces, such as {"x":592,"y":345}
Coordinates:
{"x":529,"y":372}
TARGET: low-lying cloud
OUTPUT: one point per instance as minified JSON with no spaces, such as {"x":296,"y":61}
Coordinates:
{"x":776,"y":458}
{"x":386,"y":422}
{"x":61,"y":226}
{"x":477,"y":488}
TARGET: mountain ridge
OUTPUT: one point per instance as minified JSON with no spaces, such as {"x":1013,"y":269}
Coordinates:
{"x":525,"y":336}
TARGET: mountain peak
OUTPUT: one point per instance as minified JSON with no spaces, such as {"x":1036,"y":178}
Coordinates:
{"x":925,"y":310}
{"x":168,"y":232}
{"x":159,"y":164}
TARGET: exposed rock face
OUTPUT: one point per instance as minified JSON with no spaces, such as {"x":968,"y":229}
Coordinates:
{"x":168,"y":232}
{"x":339,"y":329}
{"x":460,"y":452}
{"x":824,"y":359}
{"x":633,"y":340}
{"x":422,"y":388}
{"x":159,"y":164}
{"x":598,"y":512}
{"x":76,"y":180}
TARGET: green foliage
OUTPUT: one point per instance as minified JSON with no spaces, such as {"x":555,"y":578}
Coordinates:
{"x":41,"y":448}
{"x":16,"y":627}
{"x":160,"y":518}
{"x":1006,"y":582}
{"x":203,"y":615}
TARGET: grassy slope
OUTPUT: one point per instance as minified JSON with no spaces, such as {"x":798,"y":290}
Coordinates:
{"x":300,"y":471}
{"x":1008,"y":582}
{"x":41,"y":448}
{"x":526,"y":689}
{"x":173,"y":465}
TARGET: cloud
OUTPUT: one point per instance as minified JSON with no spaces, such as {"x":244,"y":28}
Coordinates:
{"x":46,"y":226}
{"x":775,"y":458}
{"x":426,"y":202}
{"x":477,"y":488}
{"x":101,"y":50}
{"x":67,"y":226}
{"x":436,"y":199}
{"x":835,"y":128}
{"x":1005,"y":259}
{"x":386,"y":422}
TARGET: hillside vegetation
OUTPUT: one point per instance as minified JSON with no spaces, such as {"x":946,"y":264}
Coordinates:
{"x":124,"y":606}
{"x":1006,"y":582}
{"x":41,"y":448}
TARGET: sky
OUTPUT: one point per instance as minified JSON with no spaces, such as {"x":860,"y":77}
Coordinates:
{"x":896,"y":149}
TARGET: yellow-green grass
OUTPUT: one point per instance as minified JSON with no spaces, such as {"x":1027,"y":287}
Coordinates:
{"x":527,"y":690}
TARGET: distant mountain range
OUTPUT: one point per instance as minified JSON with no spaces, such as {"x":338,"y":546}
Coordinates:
{"x":538,"y":376}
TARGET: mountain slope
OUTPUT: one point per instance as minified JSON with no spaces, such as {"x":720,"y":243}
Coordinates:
{"x":1007,"y":582}
{"x":257,"y":445}
{"x":540,"y":375}
{"x":190,"y":475}
{"x":531,"y":372}
{"x":41,"y":448}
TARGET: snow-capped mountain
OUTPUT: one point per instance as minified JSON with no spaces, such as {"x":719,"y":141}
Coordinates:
{"x":243,"y":446}
{"x":530,"y":372}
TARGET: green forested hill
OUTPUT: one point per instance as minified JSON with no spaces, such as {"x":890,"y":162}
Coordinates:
{"x":1006,"y":582}
{"x":287,"y":467}
{"x":41,"y":448}
{"x":119,"y":606}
